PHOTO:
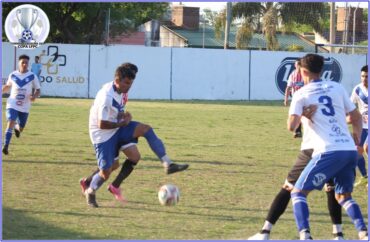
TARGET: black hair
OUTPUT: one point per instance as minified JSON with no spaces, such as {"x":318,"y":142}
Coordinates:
{"x":312,"y":62}
{"x":123,"y":72}
{"x":23,"y":57}
{"x":131,"y":66}
{"x":364,"y":69}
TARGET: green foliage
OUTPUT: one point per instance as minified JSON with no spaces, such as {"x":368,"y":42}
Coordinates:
{"x":243,"y":36}
{"x":365,"y":14}
{"x":270,"y":21}
{"x":85,"y":23}
{"x":239,"y":155}
{"x":220,"y":22}
{"x":296,"y":48}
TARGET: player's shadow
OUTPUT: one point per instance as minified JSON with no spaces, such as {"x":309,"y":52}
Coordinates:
{"x":17,"y":226}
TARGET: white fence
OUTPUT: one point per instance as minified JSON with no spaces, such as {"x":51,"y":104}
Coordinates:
{"x":175,"y":73}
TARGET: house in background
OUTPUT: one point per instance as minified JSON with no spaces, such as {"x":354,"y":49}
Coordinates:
{"x":342,"y":35}
{"x":184,"y":28}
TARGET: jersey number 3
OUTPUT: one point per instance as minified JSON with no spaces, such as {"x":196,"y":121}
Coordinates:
{"x":329,"y":109}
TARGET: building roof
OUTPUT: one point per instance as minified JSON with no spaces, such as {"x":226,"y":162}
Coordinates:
{"x":195,"y":39}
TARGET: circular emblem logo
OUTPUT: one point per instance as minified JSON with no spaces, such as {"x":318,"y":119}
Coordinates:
{"x":332,"y":71}
{"x":319,"y":179}
{"x":27,"y":26}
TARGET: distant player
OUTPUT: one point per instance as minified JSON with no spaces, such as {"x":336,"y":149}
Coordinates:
{"x":295,"y":82}
{"x":20,"y":84}
{"x":334,"y":153}
{"x":36,"y":67}
{"x":111,"y":128}
{"x":281,"y":200}
{"x":360,"y":98}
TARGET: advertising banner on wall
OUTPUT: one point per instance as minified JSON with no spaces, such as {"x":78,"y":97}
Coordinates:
{"x":270,"y":72}
{"x":64,"y":71}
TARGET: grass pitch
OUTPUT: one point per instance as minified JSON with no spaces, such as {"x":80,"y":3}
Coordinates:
{"x":239,"y":155}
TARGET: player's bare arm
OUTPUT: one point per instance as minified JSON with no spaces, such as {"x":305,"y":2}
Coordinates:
{"x":5,"y":88}
{"x":104,"y":124}
{"x":309,"y":111}
{"x":293,"y":122}
{"x":356,"y":120}
{"x":35,"y":95}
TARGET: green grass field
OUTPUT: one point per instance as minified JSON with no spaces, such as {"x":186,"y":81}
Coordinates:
{"x":239,"y":154}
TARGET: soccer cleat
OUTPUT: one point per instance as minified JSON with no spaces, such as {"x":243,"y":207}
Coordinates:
{"x":83,"y":185}
{"x":91,"y":200}
{"x":17,"y":133}
{"x":305,"y":235}
{"x":361,"y":182}
{"x":362,"y":235}
{"x":5,"y":149}
{"x":173,"y":167}
{"x":117,"y":193}
{"x":338,"y":236}
{"x":263,"y":235}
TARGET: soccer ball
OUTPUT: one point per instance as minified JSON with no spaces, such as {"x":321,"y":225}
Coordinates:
{"x":168,"y":195}
{"x":26,"y":35}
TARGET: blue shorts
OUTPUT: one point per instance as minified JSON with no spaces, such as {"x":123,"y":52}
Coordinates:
{"x":363,"y":136}
{"x":108,"y":151}
{"x":339,"y":165}
{"x":15,"y":115}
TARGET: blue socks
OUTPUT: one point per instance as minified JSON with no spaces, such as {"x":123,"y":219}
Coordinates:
{"x":300,"y":209}
{"x":8,"y":136}
{"x":361,"y":165}
{"x":96,"y":182}
{"x":155,"y":143}
{"x":354,"y":212}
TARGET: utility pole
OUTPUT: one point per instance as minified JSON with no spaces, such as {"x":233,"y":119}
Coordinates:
{"x":354,"y":29}
{"x":107,"y":23}
{"x":332,"y":25}
{"x":227,"y":25}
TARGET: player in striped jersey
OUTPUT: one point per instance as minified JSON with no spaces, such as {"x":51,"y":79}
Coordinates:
{"x":334,"y":148}
{"x":360,"y":98}
{"x":18,"y":105}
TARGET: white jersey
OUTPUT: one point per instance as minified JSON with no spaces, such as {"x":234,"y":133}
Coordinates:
{"x":360,"y":97}
{"x":328,"y":127}
{"x":307,"y":141}
{"x":21,"y":90}
{"x":107,"y":104}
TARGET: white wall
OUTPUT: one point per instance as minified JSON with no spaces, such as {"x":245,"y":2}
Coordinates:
{"x":8,"y":60}
{"x":153,"y":78}
{"x":177,"y":73}
{"x":210,"y":74}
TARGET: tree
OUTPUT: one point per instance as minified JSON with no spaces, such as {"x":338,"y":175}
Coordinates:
{"x":243,"y":36}
{"x":78,"y":22}
{"x":265,"y":16}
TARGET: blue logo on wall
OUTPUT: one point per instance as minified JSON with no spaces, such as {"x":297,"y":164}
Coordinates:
{"x":332,"y":72}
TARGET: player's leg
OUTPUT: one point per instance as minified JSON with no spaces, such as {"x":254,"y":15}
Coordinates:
{"x":281,"y":200}
{"x":157,"y":146}
{"x":105,"y":154}
{"x":298,"y":131}
{"x":22,"y":121}
{"x":361,"y":163}
{"x":335,"y":210}
{"x":343,"y":188}
{"x":133,"y":157}
{"x":11,"y":115}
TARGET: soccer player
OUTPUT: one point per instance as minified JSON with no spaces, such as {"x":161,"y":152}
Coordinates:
{"x":36,"y":67}
{"x":20,"y":84}
{"x":334,"y":148}
{"x":360,"y":98}
{"x":111,"y":128}
{"x":281,"y":200}
{"x":295,"y":82}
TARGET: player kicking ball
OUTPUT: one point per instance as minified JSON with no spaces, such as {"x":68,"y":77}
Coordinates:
{"x":112,"y":129}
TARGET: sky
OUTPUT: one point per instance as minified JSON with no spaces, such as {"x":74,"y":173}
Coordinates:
{"x":217,"y":6}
